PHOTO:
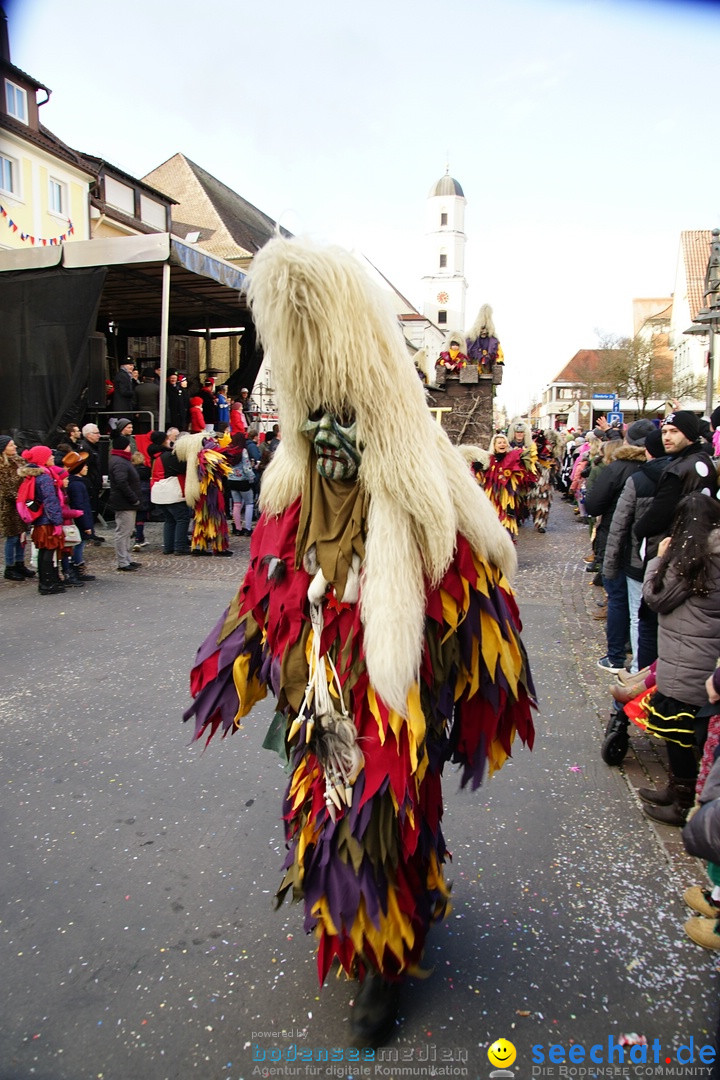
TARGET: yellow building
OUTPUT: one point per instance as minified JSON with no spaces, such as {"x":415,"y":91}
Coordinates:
{"x":43,"y":182}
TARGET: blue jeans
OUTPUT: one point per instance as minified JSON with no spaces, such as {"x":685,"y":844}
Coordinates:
{"x":618,"y":619}
{"x":634,"y":592}
{"x":176,"y":521}
{"x":647,"y":637}
{"x":14,"y":550}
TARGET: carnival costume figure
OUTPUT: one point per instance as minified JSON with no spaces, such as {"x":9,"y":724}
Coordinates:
{"x":453,"y":357}
{"x":482,"y":346}
{"x":378,"y":611}
{"x":207,"y":468}
{"x":507,"y":480}
{"x":546,"y":466}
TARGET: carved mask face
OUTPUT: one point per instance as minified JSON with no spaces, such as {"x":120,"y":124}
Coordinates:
{"x":335,"y":441}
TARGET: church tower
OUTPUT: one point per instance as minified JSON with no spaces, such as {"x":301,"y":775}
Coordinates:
{"x":445,"y":284}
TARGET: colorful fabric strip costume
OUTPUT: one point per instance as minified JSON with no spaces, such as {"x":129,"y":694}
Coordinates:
{"x":390,"y":640}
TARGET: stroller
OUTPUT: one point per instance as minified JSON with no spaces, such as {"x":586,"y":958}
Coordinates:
{"x":617,"y":738}
{"x":630,"y":694}
{"x":626,"y":691}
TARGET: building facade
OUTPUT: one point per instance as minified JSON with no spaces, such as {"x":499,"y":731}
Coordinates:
{"x":43,"y":182}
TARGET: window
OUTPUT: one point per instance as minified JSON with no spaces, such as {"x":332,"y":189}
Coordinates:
{"x":9,"y":175}
{"x":57,"y":199}
{"x":121,"y":196}
{"x":442,"y":318}
{"x":16,"y":101}
{"x":152,"y":213}
{"x":443,"y":219}
{"x":443,"y":260}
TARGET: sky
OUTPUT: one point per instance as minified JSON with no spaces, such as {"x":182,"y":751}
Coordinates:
{"x":581,"y":131}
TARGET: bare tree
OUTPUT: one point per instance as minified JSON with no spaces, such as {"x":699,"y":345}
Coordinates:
{"x":638,"y":368}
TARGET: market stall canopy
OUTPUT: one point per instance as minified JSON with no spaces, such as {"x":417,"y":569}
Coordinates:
{"x":205,"y":291}
{"x":52,"y":298}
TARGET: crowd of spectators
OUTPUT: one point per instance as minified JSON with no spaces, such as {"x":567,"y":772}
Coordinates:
{"x":53,"y":499}
{"x":648,"y":495}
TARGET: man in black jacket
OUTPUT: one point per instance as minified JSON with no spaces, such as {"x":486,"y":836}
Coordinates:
{"x":600,"y":502}
{"x":689,"y":469}
{"x":125,"y":499}
{"x":124,"y":399}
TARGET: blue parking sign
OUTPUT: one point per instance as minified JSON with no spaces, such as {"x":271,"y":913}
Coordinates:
{"x":614,"y":418}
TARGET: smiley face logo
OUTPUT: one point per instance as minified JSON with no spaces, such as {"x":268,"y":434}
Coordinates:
{"x":501,"y":1054}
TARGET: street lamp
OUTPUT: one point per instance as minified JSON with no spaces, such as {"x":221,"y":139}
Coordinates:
{"x":709,"y":316}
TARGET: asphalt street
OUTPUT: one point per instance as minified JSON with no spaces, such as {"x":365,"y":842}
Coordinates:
{"x":139,"y":938}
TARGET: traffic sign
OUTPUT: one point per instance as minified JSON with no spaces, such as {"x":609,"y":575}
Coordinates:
{"x":614,"y":418}
{"x":604,"y":397}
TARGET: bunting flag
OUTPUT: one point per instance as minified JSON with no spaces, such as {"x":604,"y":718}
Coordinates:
{"x":55,"y":240}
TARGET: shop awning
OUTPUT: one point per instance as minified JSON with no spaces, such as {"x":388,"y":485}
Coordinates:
{"x":204,"y":291}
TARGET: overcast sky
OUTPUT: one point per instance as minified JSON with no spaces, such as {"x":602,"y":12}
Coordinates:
{"x":583,"y":134}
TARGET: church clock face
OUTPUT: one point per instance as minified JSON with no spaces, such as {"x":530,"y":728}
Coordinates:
{"x":442,"y":298}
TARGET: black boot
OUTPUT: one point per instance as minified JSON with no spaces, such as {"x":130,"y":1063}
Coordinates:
{"x":663,"y":796}
{"x":13,"y":574}
{"x":677,"y":812}
{"x":375,"y":1012}
{"x":72,"y":578}
{"x":24,"y":570}
{"x":48,"y":583}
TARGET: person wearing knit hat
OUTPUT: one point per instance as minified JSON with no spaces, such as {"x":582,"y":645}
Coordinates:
{"x":622,"y":550}
{"x":637,"y":433}
{"x":688,"y":469}
{"x":685,"y":422}
{"x":12,"y":527}
{"x":125,"y":499}
{"x":350,"y":612}
{"x":623,"y":459}
{"x":654,"y":444}
{"x":47,"y":534}
{"x":122,"y":428}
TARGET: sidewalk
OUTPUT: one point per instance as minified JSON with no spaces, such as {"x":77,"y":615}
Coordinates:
{"x":551,"y":565}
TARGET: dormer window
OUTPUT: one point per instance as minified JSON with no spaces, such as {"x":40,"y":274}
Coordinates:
{"x":16,"y":101}
{"x":120,"y":195}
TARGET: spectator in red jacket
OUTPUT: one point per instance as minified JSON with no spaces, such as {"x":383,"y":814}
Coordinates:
{"x":197,"y":418}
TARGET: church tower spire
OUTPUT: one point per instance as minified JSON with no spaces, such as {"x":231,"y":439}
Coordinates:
{"x":444,"y":281}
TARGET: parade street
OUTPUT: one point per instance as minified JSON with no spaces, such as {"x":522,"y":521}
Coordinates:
{"x":139,"y":936}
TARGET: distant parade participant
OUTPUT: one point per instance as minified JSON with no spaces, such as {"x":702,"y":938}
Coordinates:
{"x":205,"y":471}
{"x":453,"y":357}
{"x":361,"y":611}
{"x":519,"y":434}
{"x":482,"y":346}
{"x":508,"y":478}
{"x":546,"y":465}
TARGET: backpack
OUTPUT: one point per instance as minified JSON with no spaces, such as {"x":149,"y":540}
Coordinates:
{"x":28,"y":507}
